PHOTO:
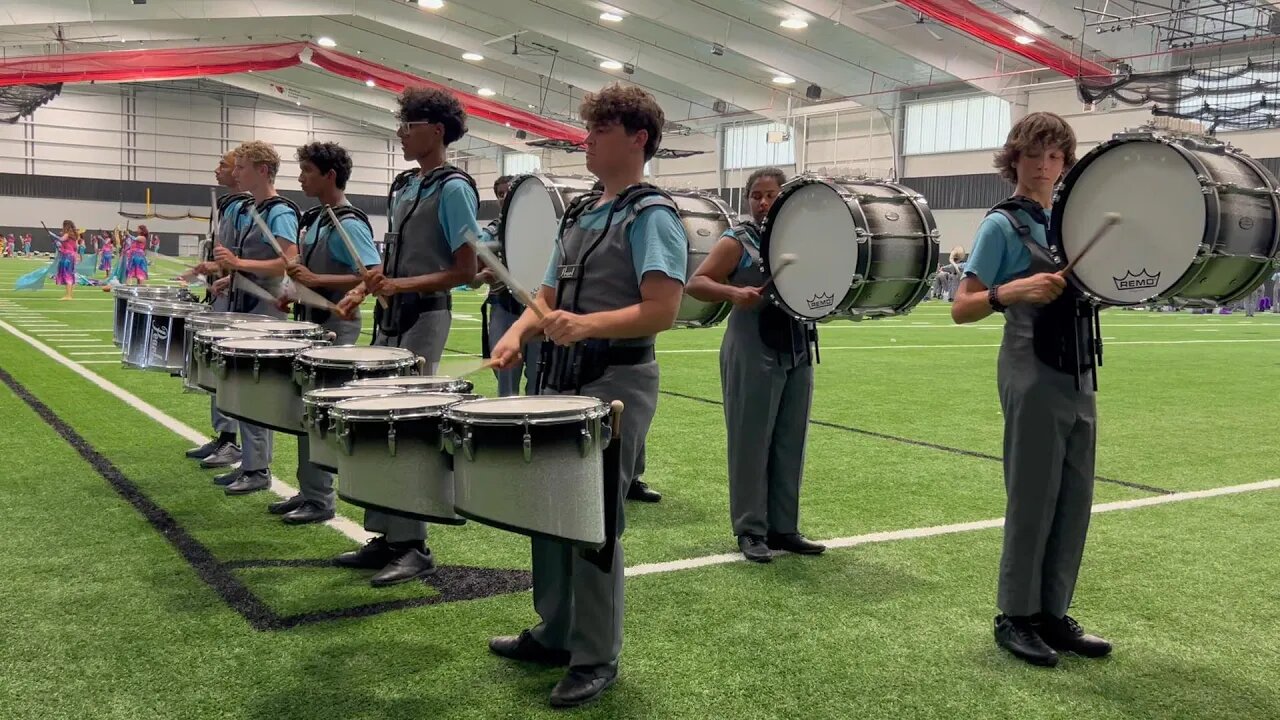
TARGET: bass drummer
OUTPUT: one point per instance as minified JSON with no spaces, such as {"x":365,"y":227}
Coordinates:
{"x":766,"y":379}
{"x":1046,"y":393}
{"x":431,"y":208}
{"x":500,"y":311}
{"x":328,"y":268}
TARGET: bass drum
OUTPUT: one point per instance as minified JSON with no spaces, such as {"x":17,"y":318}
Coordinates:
{"x":863,"y":249}
{"x":530,"y":221}
{"x":1204,"y":229}
{"x":705,"y":219}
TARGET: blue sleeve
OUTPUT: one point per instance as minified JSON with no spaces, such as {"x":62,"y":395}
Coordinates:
{"x":658,"y":243}
{"x":458,"y":206}
{"x":283,"y":222}
{"x":484,"y":235}
{"x":553,"y":268}
{"x":744,"y":260}
{"x":986,"y":262}
{"x":361,"y":237}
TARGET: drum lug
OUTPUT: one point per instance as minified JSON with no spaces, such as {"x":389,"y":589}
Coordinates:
{"x":391,"y":438}
{"x":306,"y":418}
{"x":220,"y":366}
{"x":446,"y":438}
{"x":420,"y":365}
{"x":584,"y":442}
{"x":344,"y":436}
{"x":527,"y":444}
{"x":468,"y":447}
{"x":332,"y":424}
{"x":257,"y":367}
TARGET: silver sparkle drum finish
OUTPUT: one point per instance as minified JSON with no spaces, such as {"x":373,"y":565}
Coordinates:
{"x":333,"y":366}
{"x":318,"y":423}
{"x":1201,"y":221}
{"x":533,"y":465}
{"x":203,"y":374}
{"x":207,"y":321}
{"x":418,"y":383}
{"x":863,"y":248}
{"x":255,"y":381}
{"x":705,"y":218}
{"x":530,"y":221}
{"x":390,"y":455}
{"x":124,"y":293}
{"x":155,"y":332}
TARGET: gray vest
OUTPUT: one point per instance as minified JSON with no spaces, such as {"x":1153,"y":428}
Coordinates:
{"x":416,"y":244}
{"x":252,"y":245}
{"x":318,"y":258}
{"x":596,"y":271}
{"x":230,"y":209}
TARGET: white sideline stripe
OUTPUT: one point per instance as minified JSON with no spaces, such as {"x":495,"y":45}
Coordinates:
{"x":906,"y":346}
{"x":76,"y":312}
{"x":86,"y":345}
{"x":98,"y":362}
{"x":936,"y":530}
{"x":108,"y":352}
{"x":341,"y":524}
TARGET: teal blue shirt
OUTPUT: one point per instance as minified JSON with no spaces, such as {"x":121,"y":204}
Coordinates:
{"x":360,"y":236}
{"x":998,"y":254}
{"x":657,"y":240}
{"x":237,"y":210}
{"x":282,"y":220}
{"x":458,"y":205}
{"x":744,"y":261}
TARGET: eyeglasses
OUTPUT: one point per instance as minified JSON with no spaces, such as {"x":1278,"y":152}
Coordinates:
{"x":407,"y":126}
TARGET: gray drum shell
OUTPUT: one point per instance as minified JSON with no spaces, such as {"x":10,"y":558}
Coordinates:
{"x":318,"y":423}
{"x":266,"y":396}
{"x":206,"y":321}
{"x":205,"y":377}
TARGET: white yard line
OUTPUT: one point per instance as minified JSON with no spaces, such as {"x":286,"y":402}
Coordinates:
{"x":104,"y":352}
{"x":960,"y":346}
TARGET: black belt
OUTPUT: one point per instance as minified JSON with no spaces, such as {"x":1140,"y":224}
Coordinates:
{"x":431,"y":303}
{"x":630,"y":354}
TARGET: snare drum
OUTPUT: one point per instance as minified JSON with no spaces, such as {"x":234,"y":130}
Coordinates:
{"x":332,"y":366}
{"x":291,"y":329}
{"x":390,"y":456}
{"x":862,"y":248}
{"x":705,"y":218}
{"x":533,"y":465}
{"x":123,"y":294}
{"x":255,"y":381}
{"x":1201,"y":221}
{"x":418,"y":383}
{"x":530,"y":221}
{"x":203,"y":375}
{"x":154,"y":333}
{"x":318,"y":422}
{"x":206,"y":321}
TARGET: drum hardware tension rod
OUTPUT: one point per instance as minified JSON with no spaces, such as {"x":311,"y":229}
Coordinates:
{"x":1109,"y":220}
{"x":351,"y":252}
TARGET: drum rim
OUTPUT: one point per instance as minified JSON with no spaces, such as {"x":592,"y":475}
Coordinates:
{"x":221,"y":348}
{"x":389,"y":382}
{"x":210,"y":339}
{"x":313,"y":398}
{"x":789,"y":188}
{"x":349,"y":414}
{"x":142,"y":291}
{"x":211,"y":319}
{"x":147,"y":306}
{"x":407,"y":359}
{"x":294,"y":325}
{"x":546,"y":179}
{"x":457,"y":413}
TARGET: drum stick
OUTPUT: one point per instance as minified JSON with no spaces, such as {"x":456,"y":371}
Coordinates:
{"x":486,"y":365}
{"x":240,"y":282}
{"x":615,"y":420}
{"x":500,"y":270}
{"x":310,"y":297}
{"x":351,"y":251}
{"x":1109,"y":221}
{"x":271,"y":238}
{"x":784,"y":260}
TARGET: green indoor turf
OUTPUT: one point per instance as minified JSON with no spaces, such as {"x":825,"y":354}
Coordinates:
{"x":105,"y":619}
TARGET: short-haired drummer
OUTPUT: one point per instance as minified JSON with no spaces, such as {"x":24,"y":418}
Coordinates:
{"x":766,"y":380}
{"x":1047,"y":396}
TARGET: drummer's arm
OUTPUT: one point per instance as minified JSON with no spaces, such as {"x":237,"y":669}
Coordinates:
{"x":710,"y":282}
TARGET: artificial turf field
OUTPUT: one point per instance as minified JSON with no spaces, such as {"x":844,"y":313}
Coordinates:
{"x":134,"y":588}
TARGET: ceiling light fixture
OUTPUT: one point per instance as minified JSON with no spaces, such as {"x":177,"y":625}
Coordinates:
{"x":472,"y":57}
{"x":794,"y":23}
{"x":370,"y":82}
{"x":611,"y":65}
{"x":486,"y":92}
{"x":1023,"y":39}
{"x":783,"y":80}
{"x":327,"y":42}
{"x":431,"y":4}
{"x":610,"y":17}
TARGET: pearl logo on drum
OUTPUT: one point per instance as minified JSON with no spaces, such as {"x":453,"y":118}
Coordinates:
{"x":821,"y":301}
{"x":1138,"y":281}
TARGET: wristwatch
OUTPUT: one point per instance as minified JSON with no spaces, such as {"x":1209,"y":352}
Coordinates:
{"x":993,"y":297}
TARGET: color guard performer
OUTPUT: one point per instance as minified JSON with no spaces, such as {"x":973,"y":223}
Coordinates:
{"x":328,"y":268}
{"x":766,"y":377}
{"x":614,"y":282}
{"x":252,"y":255}
{"x":1047,"y":392}
{"x":430,"y":209}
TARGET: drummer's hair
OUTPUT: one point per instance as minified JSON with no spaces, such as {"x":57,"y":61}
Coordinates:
{"x":766,"y":172}
{"x":328,"y":156}
{"x":634,"y":108}
{"x":434,"y":106}
{"x":1038,"y":129}
{"x":504,"y":180}
{"x":260,"y":153}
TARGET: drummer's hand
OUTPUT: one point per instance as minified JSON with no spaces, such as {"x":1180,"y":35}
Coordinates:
{"x":349,"y":304}
{"x":226,"y":259}
{"x":565,"y":328}
{"x":302,"y":275}
{"x":374,"y":280}
{"x":506,"y":354}
{"x":207,"y":267}
{"x":1041,"y":288}
{"x":389,"y":287}
{"x":221,"y":284}
{"x":488,"y":277}
{"x":746,"y":297}
{"x":283,"y":302}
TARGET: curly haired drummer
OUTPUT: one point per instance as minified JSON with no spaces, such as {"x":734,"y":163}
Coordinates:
{"x":766,"y":377}
{"x":1046,"y":393}
{"x":614,"y":282}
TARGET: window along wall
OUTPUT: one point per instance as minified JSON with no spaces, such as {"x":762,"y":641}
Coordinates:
{"x":754,"y":145}
{"x":956,"y":124}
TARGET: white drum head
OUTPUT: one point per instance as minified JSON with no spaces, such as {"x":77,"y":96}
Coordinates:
{"x":388,"y":407}
{"x":261,"y":346}
{"x":544,"y":407}
{"x":328,"y":396}
{"x":217,"y":334}
{"x":813,"y":223}
{"x":529,"y":228}
{"x":358,"y":354}
{"x":281,"y":326}
{"x":1158,"y":195}
{"x":407,"y":381}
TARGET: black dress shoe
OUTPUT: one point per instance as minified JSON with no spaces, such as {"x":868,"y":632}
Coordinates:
{"x":226,"y":479}
{"x":754,"y":548}
{"x":226,"y":455}
{"x":1018,"y":635}
{"x":204,"y":450}
{"x":410,"y":565}
{"x":795,"y":543}
{"x":525,"y":648}
{"x":308,"y":512}
{"x":580,"y":686}
{"x":285,"y":506}
{"x":640,"y":492}
{"x":373,"y":556}
{"x":250,"y":482}
{"x":1065,"y":635}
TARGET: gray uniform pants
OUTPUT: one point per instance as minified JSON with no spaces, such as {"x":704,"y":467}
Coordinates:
{"x":257,"y":443}
{"x":1050,"y":432}
{"x":581,"y":607}
{"x":500,"y":321}
{"x":426,"y":338}
{"x":315,"y":484}
{"x":766,"y":414}
{"x":221,"y":423}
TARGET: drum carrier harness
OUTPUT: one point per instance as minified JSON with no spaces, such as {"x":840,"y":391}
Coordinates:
{"x":1067,"y":333}
{"x":318,"y":217}
{"x":263,"y":208}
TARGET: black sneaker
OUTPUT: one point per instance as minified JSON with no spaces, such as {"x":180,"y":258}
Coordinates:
{"x":226,"y":455}
{"x":580,"y":686}
{"x":525,"y":648}
{"x":250,"y":482}
{"x":754,"y":548}
{"x":794,"y":543}
{"x":641,"y":492}
{"x":226,"y":479}
{"x":1017,"y":634}
{"x":1064,"y":634}
{"x":375,"y":555}
{"x":205,"y":450}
